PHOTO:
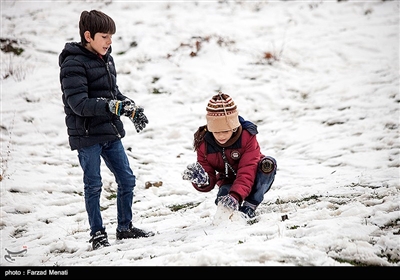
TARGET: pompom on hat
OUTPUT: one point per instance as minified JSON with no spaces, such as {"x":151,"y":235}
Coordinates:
{"x":222,"y":114}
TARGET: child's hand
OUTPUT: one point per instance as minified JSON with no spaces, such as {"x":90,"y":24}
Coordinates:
{"x":229,"y":202}
{"x":122,"y":107}
{"x":128,"y":108}
{"x":139,"y":119}
{"x":195,"y":173}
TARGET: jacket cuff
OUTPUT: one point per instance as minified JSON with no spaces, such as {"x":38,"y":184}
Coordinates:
{"x":204,"y":188}
{"x":236,"y":196}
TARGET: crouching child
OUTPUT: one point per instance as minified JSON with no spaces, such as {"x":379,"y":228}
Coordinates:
{"x":229,"y":157}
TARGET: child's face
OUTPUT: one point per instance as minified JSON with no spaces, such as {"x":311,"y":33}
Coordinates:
{"x":100,"y":43}
{"x":223,"y":136}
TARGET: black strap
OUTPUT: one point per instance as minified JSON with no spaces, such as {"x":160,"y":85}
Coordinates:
{"x":227,"y":165}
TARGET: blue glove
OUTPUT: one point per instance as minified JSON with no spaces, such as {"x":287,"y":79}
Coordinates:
{"x":139,"y":119}
{"x":229,"y":202}
{"x":195,"y":173}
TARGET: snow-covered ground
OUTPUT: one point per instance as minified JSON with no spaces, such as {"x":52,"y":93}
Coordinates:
{"x":319,"y":78}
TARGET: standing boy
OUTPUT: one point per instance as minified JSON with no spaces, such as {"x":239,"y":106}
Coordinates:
{"x":93,"y":105}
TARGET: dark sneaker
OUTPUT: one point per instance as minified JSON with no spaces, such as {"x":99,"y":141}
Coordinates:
{"x":133,"y":232}
{"x":99,"y":240}
{"x":248,"y":211}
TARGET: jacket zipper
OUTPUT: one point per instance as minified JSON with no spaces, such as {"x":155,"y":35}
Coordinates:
{"x":86,"y":126}
{"x":110,"y":80}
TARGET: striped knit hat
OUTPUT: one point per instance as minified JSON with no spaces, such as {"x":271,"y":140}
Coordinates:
{"x":222,"y":114}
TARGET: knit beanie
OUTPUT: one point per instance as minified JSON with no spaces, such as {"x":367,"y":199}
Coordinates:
{"x":222,"y":114}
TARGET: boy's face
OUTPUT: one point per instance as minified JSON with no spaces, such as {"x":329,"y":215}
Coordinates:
{"x":100,"y":43}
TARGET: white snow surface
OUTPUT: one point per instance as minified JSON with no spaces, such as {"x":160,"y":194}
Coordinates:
{"x":319,"y":78}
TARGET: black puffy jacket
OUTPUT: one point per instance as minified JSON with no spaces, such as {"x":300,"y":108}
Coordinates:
{"x":87,"y":82}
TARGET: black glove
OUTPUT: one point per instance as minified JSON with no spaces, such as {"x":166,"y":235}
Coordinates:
{"x":139,"y":119}
{"x":229,"y":202}
{"x":195,"y":173}
{"x":122,"y":107}
{"x":129,"y":109}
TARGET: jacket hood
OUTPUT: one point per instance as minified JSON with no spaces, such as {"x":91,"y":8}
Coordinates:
{"x":249,"y":126}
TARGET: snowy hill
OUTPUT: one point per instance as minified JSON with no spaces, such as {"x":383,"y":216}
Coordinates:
{"x":319,"y":78}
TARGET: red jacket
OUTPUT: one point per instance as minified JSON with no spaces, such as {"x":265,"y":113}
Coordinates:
{"x":243,"y":156}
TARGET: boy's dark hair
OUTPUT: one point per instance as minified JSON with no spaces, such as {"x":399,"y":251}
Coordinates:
{"x":95,"y":22}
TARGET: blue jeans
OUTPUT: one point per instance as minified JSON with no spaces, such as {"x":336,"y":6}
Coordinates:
{"x":262,"y":185}
{"x":116,"y":160}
